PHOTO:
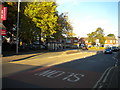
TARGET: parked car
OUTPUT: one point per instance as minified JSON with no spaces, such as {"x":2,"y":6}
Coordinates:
{"x":27,"y":47}
{"x":115,"y":48}
{"x":84,"y":48}
{"x":107,"y":51}
{"x":40,"y":46}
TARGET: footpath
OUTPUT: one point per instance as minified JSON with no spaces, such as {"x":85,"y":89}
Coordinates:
{"x":18,"y":63}
{"x":11,"y":56}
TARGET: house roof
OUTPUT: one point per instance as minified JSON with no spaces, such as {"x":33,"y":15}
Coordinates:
{"x":107,"y":38}
{"x":110,"y":38}
{"x":85,"y":38}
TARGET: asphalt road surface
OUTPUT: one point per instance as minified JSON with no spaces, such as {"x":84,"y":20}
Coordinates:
{"x":78,"y":73}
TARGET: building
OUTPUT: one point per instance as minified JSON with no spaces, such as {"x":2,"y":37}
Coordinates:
{"x":71,"y":42}
{"x":119,"y":38}
{"x":110,"y":41}
{"x":84,"y":40}
{"x":119,"y":41}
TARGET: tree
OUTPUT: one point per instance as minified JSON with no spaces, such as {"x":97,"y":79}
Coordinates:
{"x":68,"y":29}
{"x":92,"y":38}
{"x":26,"y":24}
{"x":98,"y":34}
{"x":63,"y":27}
{"x":111,"y":35}
{"x":10,"y":23}
{"x":43,"y":14}
{"x":28,"y":28}
{"x":38,"y":19}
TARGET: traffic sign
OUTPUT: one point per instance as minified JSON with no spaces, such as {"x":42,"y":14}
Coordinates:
{"x":4,"y":13}
{"x":3,"y":32}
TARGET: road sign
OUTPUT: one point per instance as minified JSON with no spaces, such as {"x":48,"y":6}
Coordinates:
{"x":4,"y":13}
{"x":3,"y":32}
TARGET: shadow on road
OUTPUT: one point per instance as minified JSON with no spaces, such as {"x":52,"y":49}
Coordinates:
{"x":23,"y":75}
{"x":12,"y":53}
{"x":26,"y":57}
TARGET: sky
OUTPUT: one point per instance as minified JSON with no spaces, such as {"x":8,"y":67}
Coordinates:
{"x":87,"y":16}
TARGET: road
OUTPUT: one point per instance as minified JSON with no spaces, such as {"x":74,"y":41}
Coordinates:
{"x":77,"y":70}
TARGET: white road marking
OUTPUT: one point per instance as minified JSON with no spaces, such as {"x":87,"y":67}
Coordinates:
{"x":116,"y":61}
{"x":42,"y":73}
{"x":55,"y":74}
{"x":107,"y":74}
{"x":113,"y":57}
{"x":95,"y":86}
{"x":104,"y":77}
{"x":115,"y":65}
{"x":75,"y":76}
{"x":70,"y":77}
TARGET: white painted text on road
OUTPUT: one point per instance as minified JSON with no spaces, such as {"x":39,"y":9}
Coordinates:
{"x":68,"y":76}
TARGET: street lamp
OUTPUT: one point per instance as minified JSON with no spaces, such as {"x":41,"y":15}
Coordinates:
{"x":17,"y":38}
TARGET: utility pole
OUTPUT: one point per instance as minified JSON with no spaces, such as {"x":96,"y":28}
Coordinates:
{"x":18,"y":18}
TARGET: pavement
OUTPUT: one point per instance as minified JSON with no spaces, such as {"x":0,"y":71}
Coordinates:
{"x":17,"y":63}
{"x":11,"y":56}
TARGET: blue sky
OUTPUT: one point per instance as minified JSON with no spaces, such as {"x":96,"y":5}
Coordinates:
{"x":86,"y":17}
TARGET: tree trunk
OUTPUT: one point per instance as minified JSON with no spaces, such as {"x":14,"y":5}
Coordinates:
{"x":40,"y":38}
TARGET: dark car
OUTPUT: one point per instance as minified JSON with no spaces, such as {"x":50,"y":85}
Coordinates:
{"x":107,"y":51}
{"x":115,"y":49}
{"x":84,"y":48}
{"x":27,"y":47}
{"x":40,"y":46}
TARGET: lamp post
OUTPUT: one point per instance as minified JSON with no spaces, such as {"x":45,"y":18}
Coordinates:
{"x":18,"y":17}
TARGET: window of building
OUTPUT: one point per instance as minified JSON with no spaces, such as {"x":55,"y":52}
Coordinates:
{"x":110,"y":41}
{"x":68,"y":41}
{"x":106,"y":41}
{"x":75,"y":40}
{"x":86,"y":41}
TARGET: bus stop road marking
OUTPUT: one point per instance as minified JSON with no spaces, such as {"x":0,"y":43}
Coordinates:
{"x":52,"y":77}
